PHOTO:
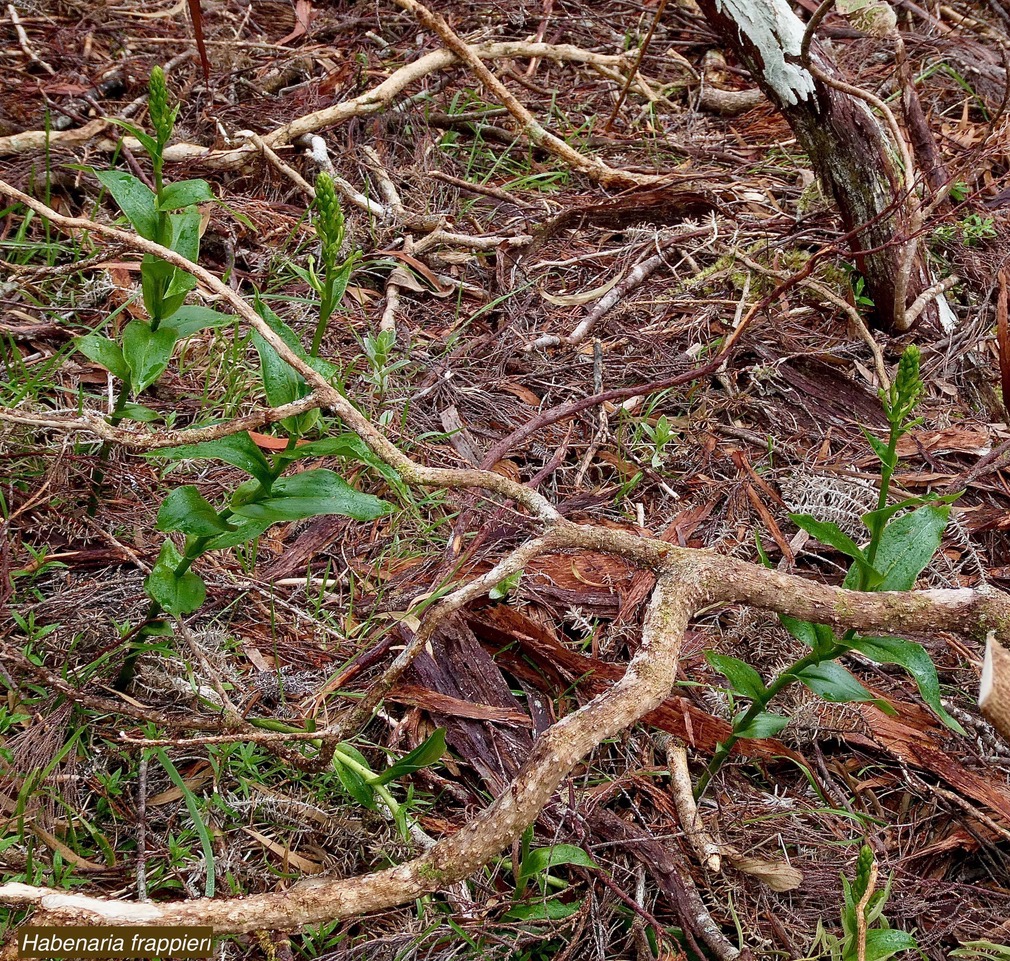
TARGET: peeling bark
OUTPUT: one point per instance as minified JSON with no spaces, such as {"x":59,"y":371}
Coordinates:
{"x":853,"y":154}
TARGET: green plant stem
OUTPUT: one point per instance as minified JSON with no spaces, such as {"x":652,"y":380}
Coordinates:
{"x":370,"y":778}
{"x":325,"y":311}
{"x":760,"y":705}
{"x":98,"y":474}
{"x":878,"y":522}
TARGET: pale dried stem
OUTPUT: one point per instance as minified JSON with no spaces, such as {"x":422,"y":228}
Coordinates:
{"x":91,"y":423}
{"x":637,"y":276}
{"x":346,"y":190}
{"x":529,"y":126}
{"x":702,"y":843}
{"x":929,"y":294}
{"x":24,"y":42}
{"x":270,"y":155}
{"x":372,"y":101}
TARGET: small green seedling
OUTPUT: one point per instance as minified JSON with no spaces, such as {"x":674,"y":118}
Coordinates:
{"x":866,"y":935}
{"x":536,"y":864}
{"x":506,"y":586}
{"x":898,"y":550}
{"x":973,"y":231}
{"x":368,"y":788}
{"x":660,"y":435}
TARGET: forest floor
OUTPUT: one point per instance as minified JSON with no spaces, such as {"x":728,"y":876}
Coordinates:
{"x":459,"y":334}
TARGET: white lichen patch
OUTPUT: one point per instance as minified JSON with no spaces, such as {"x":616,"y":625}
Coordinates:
{"x":776,"y":31}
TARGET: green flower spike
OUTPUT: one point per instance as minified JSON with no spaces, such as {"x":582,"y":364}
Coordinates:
{"x":330,"y":224}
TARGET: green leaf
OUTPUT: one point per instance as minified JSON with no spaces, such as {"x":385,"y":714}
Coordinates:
{"x":146,"y":140}
{"x":543,"y":859}
{"x":356,"y":786}
{"x":887,"y":457}
{"x":186,"y":240}
{"x":766,"y":724}
{"x":176,"y":595}
{"x":138,"y":412}
{"x":803,"y":631}
{"x":550,"y":910}
{"x":886,"y":513}
{"x":186,"y":509}
{"x":248,"y":491}
{"x":351,"y":779}
{"x":832,"y":534}
{"x":155,"y":276}
{"x":818,"y":637}
{"x":355,"y":755}
{"x":742,"y":677}
{"x":135,"y":199}
{"x":883,"y":943}
{"x":423,"y":756}
{"x":280,"y":328}
{"x":184,"y":193}
{"x":833,"y":683}
{"x":236,"y":449}
{"x":340,"y":278}
{"x":907,"y":546}
{"x":914,"y":659}
{"x":312,"y":493}
{"x":206,"y":841}
{"x":147,"y":352}
{"x":246,"y":532}
{"x":342,"y":445}
{"x":883,"y":515}
{"x":106,"y":353}
{"x":281,"y":384}
{"x":190,"y":319}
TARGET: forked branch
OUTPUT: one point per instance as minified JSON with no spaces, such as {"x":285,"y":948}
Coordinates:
{"x":687,"y":581}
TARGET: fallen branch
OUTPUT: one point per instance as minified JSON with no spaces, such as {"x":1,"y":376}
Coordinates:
{"x":529,"y":126}
{"x":370,"y":102}
{"x":687,"y":581}
{"x":637,"y":276}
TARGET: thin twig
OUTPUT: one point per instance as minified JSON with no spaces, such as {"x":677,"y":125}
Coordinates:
{"x":529,"y":126}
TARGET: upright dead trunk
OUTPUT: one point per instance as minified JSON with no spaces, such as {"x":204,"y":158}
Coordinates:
{"x":850,"y":147}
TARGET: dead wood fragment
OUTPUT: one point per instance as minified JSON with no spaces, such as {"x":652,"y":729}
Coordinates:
{"x":672,"y":874}
{"x":994,"y":693}
{"x":702,"y":843}
{"x":1003,"y":335}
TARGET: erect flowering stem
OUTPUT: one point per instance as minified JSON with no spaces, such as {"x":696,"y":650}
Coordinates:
{"x":330,"y":230}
